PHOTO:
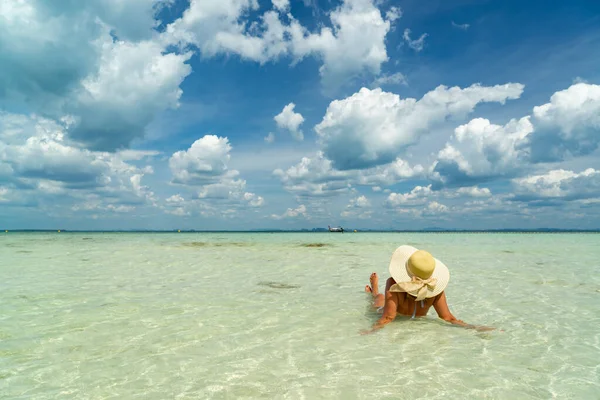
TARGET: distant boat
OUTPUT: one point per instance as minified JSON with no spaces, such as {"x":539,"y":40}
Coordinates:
{"x":338,"y":229}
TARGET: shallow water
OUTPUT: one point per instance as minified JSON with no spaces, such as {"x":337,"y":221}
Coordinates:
{"x":230,"y":316}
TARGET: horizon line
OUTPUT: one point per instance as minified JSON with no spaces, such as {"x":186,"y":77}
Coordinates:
{"x":313,"y":230}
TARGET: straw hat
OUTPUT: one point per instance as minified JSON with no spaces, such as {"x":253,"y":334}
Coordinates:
{"x":418,"y":273}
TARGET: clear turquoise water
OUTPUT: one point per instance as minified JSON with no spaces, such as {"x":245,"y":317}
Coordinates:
{"x":231,"y":316}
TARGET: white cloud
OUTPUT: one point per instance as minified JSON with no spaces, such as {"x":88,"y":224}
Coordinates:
{"x":290,"y":120}
{"x":225,"y":189}
{"x":176,"y":199}
{"x":474,"y":191}
{"x":299,"y":211}
{"x":481,"y":150}
{"x":566,"y":127}
{"x":435,"y":208}
{"x":62,"y":59}
{"x":420,"y":202}
{"x":393,"y":14}
{"x":419,"y":195}
{"x":270,"y":138}
{"x":417,"y":44}
{"x":134,"y":82}
{"x":354,"y":44}
{"x":204,"y":162}
{"x":281,"y":5}
{"x":316,"y":177}
{"x":464,"y":27}
{"x":209,"y":24}
{"x":358,"y":207}
{"x":49,"y":46}
{"x":395,"y":79}
{"x":389,"y":174}
{"x":204,"y":169}
{"x":372,"y":127}
{"x":361,"y":202}
{"x":178,"y":211}
{"x":4,"y":194}
{"x":137,"y":155}
{"x":254,"y":200}
{"x":43,"y":163}
{"x":176,"y":205}
{"x":559,"y":184}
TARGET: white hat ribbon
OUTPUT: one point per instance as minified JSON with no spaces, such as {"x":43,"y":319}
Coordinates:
{"x":416,"y":285}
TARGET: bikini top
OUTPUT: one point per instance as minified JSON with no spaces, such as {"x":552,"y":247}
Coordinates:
{"x":415,"y":311}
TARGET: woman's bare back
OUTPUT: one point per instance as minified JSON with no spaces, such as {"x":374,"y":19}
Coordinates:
{"x":409,"y":307}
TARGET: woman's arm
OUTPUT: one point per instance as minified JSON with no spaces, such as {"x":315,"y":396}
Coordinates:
{"x":389,"y":310}
{"x":441,"y":307}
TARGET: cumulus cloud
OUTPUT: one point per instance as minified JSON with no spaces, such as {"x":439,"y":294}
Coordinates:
{"x":254,"y":200}
{"x":418,"y":203}
{"x":358,"y":207}
{"x":389,"y":174}
{"x":474,"y":191}
{"x":416,"y":44}
{"x":569,"y":125}
{"x":204,"y":162}
{"x":423,"y":195}
{"x":43,"y":162}
{"x":480,"y":151}
{"x":62,"y":41}
{"x":316,"y":176}
{"x":354,"y":44}
{"x":99,"y":61}
{"x":435,"y":208}
{"x":566,"y":127}
{"x":134,"y":82}
{"x":360,"y":202}
{"x":372,"y":127}
{"x":204,"y":169}
{"x":425,"y":202}
{"x":299,"y":211}
{"x":417,"y":196}
{"x":217,"y":26}
{"x":558,"y":184}
{"x":290,"y":120}
{"x":5,"y":195}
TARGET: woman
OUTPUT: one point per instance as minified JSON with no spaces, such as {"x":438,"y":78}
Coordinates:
{"x":417,"y":283}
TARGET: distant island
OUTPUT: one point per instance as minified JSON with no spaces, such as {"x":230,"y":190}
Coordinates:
{"x":319,"y":230}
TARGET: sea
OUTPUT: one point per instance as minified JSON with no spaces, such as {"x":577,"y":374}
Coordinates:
{"x":280,"y":315}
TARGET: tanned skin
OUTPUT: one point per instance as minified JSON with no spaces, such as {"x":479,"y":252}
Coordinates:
{"x":395,"y":303}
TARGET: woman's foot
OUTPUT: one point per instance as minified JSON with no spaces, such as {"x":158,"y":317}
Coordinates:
{"x":374,"y":279}
{"x":368,"y":289}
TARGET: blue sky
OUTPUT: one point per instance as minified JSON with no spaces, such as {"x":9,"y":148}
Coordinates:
{"x":250,"y":114}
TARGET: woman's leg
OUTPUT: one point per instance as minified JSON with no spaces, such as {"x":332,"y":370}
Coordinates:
{"x":378,"y":298}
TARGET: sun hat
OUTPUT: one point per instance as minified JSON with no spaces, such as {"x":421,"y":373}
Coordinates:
{"x":418,"y":273}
